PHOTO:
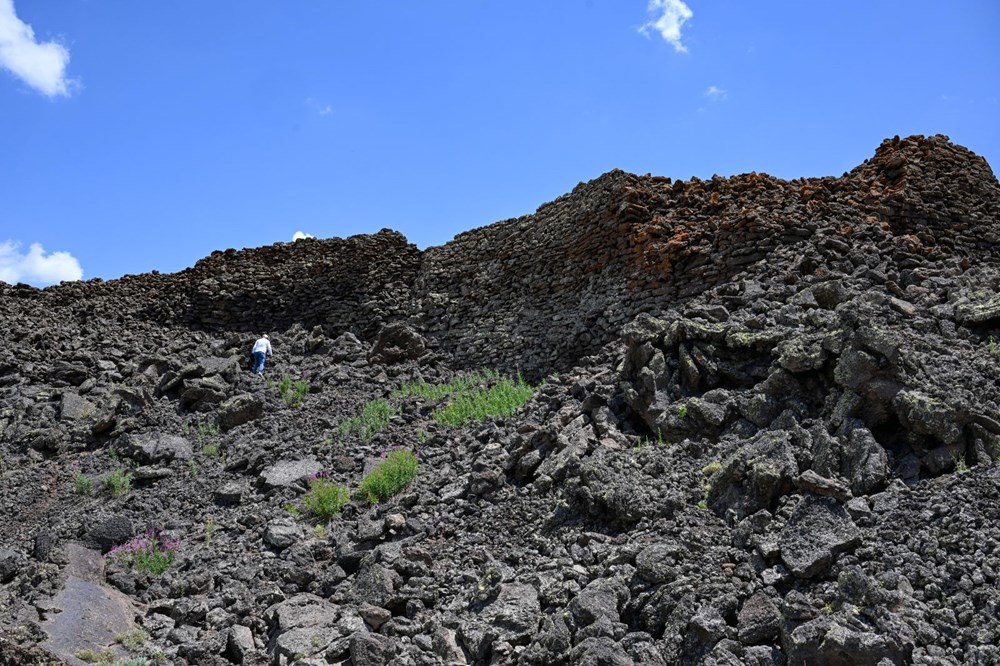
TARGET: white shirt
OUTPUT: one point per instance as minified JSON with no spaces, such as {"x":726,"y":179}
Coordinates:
{"x":262,"y":345}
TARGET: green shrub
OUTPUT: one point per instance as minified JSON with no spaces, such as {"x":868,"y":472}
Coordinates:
{"x":389,"y":476}
{"x":682,"y":411}
{"x":117,"y":482}
{"x":375,"y":417}
{"x":82,"y":484}
{"x":325,"y":499}
{"x":500,"y":400}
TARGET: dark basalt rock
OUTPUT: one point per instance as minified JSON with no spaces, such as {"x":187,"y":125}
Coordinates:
{"x":239,"y":410}
{"x":817,"y":531}
{"x":111,"y":532}
{"x":395,"y":343}
{"x":147,"y":448}
{"x":767,"y":434}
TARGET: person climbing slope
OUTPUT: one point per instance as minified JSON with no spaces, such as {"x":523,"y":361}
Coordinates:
{"x":261,"y":350}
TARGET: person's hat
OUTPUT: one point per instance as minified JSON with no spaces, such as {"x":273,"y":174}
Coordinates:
{"x":265,"y":337}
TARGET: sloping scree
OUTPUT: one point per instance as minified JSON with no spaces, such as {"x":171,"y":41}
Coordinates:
{"x":767,"y":434}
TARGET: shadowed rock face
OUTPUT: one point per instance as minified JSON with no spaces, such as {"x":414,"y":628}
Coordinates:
{"x":768,"y":433}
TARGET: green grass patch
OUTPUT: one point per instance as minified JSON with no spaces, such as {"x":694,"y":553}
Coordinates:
{"x":429,"y":391}
{"x":117,"y":482}
{"x":375,"y":417}
{"x":389,"y":476}
{"x":325,"y":499}
{"x":207,"y":430}
{"x":82,"y":484}
{"x":132,"y":640}
{"x":93,"y":657}
{"x":500,"y":400}
{"x":293,"y":392}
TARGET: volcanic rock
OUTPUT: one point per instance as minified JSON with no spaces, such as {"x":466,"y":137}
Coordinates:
{"x":744,"y":421}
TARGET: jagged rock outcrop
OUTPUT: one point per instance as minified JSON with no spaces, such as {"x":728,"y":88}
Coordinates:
{"x":768,"y":434}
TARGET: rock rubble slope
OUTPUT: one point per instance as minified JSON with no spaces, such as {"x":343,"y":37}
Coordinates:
{"x":764,"y":430}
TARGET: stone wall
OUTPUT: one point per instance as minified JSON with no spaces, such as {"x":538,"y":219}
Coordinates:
{"x":537,"y":293}
{"x":355,"y":284}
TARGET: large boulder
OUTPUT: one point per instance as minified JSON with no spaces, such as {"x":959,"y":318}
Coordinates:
{"x":759,"y":620}
{"x":289,"y":473}
{"x":818,"y":530}
{"x":856,"y":457}
{"x":148,"y":448}
{"x":111,"y":532}
{"x":302,"y":626}
{"x":74,"y":407}
{"x":239,"y":410}
{"x":397,"y":342}
{"x":514,"y":612}
{"x":11,"y":563}
{"x":827,"y":642}
{"x":755,"y":476}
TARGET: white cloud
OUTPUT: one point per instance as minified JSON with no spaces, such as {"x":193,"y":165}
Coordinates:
{"x":299,"y":235}
{"x":35,"y":267}
{"x":319,"y":107}
{"x":41,"y":66}
{"x":672,"y":15}
{"x":715,"y":93}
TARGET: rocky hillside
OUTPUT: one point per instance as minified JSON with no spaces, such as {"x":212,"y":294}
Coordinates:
{"x":762,"y":428}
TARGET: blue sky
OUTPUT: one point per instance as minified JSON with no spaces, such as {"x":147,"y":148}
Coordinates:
{"x":144,"y":135}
